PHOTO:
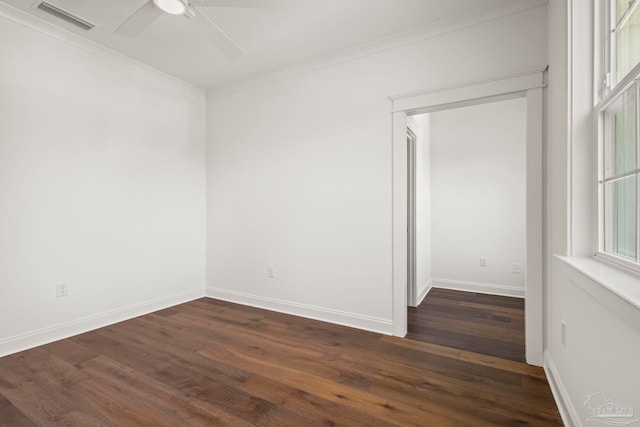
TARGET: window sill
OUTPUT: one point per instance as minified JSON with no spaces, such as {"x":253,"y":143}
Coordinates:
{"x":625,"y":285}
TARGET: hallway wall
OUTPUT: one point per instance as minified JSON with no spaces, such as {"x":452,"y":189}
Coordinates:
{"x":479,"y":197}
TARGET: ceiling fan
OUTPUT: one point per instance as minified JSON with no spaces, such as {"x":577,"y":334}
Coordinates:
{"x":153,"y":9}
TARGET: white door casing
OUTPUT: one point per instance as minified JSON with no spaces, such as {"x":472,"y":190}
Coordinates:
{"x":528,"y":84}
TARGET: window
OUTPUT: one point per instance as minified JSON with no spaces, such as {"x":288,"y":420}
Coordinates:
{"x":625,"y":37}
{"x":618,"y":134}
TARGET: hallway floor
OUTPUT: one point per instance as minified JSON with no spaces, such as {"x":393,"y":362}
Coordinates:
{"x":485,"y":324}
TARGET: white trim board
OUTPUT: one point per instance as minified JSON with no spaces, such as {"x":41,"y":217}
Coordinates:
{"x":568,"y":413}
{"x":352,"y":320}
{"x":425,"y":291}
{"x":482,"y":288}
{"x":473,"y":92}
{"x":48,"y":335}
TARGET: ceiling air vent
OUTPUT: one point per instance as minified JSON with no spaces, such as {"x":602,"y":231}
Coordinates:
{"x":65,"y":16}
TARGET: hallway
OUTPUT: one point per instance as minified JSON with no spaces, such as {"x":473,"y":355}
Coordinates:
{"x":486,"y":324}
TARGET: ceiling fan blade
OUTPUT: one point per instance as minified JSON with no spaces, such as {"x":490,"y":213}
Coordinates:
{"x":210,"y":31}
{"x":139,"y":21}
{"x":257,"y":4}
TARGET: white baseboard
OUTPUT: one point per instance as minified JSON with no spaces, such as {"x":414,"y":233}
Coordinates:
{"x":482,"y":288}
{"x":303,"y":310}
{"x":424,"y":292}
{"x":568,"y":413}
{"x":54,"y":333}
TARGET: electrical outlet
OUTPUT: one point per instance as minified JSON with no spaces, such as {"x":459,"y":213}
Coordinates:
{"x":483,"y":261}
{"x":62,"y":289}
{"x":516,"y":268}
{"x":271,"y":271}
{"x":563,"y":332}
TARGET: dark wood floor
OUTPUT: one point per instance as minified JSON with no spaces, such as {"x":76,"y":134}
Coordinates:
{"x":485,"y":324}
{"x":208,"y":363}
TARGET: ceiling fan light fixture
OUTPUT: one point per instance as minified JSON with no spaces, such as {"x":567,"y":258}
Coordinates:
{"x":174,"y":7}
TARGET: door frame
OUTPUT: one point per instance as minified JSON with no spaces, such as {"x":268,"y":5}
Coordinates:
{"x":528,"y":84}
{"x":411,"y":218}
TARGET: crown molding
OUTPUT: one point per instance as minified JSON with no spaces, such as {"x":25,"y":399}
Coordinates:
{"x":413,"y":36}
{"x":152,"y":74}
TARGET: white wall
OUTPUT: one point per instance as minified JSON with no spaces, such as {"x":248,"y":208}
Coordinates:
{"x":600,"y":353}
{"x":307,"y":186}
{"x":102,"y":186}
{"x":479,"y":196}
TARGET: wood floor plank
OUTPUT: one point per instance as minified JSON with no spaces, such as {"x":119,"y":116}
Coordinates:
{"x":468,"y":356}
{"x":292,"y":403}
{"x":210,"y":362}
{"x":10,"y":415}
{"x":386,"y":409}
{"x":486,"y":324}
{"x":171,"y":402}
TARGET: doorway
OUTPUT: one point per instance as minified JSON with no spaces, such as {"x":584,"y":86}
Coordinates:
{"x":466,"y":234}
{"x":527,"y":85}
{"x":466,"y":199}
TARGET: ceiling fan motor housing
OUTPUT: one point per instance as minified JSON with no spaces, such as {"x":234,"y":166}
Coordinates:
{"x":174,"y":7}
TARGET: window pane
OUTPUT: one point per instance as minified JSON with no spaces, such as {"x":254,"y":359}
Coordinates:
{"x":628,"y":45}
{"x":622,"y":6}
{"x":620,"y":217}
{"x":620,"y":135}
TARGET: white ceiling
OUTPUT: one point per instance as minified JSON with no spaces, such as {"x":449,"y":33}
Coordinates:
{"x":273,"y":38}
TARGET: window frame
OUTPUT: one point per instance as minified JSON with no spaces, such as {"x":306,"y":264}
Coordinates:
{"x":611,"y":90}
{"x":609,"y":33}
